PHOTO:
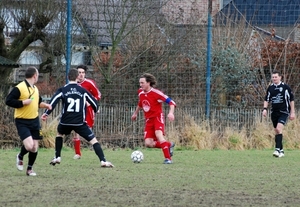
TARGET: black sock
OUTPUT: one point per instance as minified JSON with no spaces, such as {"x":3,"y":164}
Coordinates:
{"x":58,"y":146}
{"x":99,"y":152}
{"x":278,"y":141}
{"x":31,"y":159}
{"x":22,"y":152}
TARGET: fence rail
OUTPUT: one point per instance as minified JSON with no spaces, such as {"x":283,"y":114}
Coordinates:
{"x":115,"y":122}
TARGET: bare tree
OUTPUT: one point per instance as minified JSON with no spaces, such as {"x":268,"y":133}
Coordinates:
{"x":25,"y":22}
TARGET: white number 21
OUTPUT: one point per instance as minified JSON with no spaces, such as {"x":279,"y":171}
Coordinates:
{"x":73,"y":105}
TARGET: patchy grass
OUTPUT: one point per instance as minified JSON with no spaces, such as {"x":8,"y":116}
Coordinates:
{"x":197,"y":178}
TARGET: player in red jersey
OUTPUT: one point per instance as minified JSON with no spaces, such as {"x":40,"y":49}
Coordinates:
{"x":91,"y":87}
{"x":150,"y":100}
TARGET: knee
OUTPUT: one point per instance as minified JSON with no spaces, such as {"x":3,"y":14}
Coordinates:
{"x":31,"y":148}
{"x":149,"y":145}
{"x":278,"y":131}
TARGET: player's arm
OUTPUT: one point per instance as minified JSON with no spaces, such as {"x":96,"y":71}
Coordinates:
{"x":53,"y":102}
{"x":94,"y":90}
{"x":171,"y":116}
{"x":44,"y":104}
{"x":92,"y":101}
{"x":135,"y":113}
{"x":292,"y":105}
{"x":266,"y":102}
{"x":12,"y":98}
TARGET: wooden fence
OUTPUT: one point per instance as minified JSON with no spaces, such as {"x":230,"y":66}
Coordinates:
{"x":113,"y":125}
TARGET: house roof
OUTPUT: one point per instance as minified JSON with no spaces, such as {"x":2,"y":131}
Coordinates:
{"x":7,"y":62}
{"x":264,"y":12}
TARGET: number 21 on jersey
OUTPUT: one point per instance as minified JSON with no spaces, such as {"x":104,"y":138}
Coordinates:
{"x":74,"y":105}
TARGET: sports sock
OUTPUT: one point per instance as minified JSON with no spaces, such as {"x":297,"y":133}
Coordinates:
{"x":31,"y":159}
{"x":77,"y":146}
{"x":165,"y":146}
{"x":22,"y":152}
{"x":58,"y":146}
{"x":99,"y":152}
{"x":278,"y":141}
{"x":157,"y":144}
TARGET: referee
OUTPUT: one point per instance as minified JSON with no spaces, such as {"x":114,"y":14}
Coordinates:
{"x":281,"y":98}
{"x":26,"y":101}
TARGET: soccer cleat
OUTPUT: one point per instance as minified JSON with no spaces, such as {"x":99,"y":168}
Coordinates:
{"x":172,"y":148}
{"x":55,"y":161}
{"x":168,"y":161}
{"x":30,"y":173}
{"x":76,"y":157}
{"x":19,"y":163}
{"x":106,"y":164}
{"x":276,"y":153}
{"x":281,"y":154}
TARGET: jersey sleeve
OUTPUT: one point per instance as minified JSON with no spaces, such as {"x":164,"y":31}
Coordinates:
{"x":92,"y":101}
{"x":54,"y":100}
{"x":93,"y":89}
{"x":291,"y":94}
{"x":267,"y":97}
{"x":12,"y":98}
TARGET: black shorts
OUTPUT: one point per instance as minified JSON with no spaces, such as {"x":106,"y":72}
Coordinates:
{"x":279,"y":117}
{"x":83,"y":130}
{"x":28,"y":127}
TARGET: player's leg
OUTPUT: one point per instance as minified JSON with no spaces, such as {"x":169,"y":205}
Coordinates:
{"x":85,"y":132}
{"x":24,"y":133}
{"x":274,"y":118}
{"x":149,"y":135}
{"x":165,"y":146}
{"x":58,"y":147}
{"x":32,"y":157}
{"x":278,"y":130}
{"x":159,"y":127}
{"x":76,"y":142}
{"x":31,"y":144}
{"x":61,"y":130}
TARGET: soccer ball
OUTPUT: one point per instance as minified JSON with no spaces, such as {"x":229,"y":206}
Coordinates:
{"x":137,"y":156}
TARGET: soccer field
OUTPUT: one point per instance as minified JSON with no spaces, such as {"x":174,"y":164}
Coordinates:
{"x":197,"y":178}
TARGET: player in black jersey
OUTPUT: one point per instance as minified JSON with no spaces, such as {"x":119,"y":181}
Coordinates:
{"x":281,"y":98}
{"x":74,"y":99}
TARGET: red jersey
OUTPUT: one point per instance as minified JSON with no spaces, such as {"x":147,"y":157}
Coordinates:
{"x":91,"y":87}
{"x":151,"y":102}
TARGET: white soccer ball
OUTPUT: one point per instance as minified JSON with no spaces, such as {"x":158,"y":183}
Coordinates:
{"x":137,"y":156}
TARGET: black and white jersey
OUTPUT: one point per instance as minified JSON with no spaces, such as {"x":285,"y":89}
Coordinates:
{"x":280,"y":97}
{"x":74,"y":99}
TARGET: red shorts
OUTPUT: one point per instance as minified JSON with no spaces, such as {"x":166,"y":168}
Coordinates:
{"x":153,"y":124}
{"x":90,"y":117}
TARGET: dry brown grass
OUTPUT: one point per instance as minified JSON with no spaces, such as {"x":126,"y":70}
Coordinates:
{"x":49,"y":132}
{"x":203,"y":135}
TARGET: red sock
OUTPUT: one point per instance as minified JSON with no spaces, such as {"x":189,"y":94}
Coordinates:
{"x":157,"y":144}
{"x":165,"y":146}
{"x":77,"y":146}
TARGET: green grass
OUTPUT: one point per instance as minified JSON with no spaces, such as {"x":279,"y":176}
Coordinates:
{"x":197,"y":178}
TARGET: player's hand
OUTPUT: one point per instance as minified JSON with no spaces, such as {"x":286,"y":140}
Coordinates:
{"x":264,"y":113}
{"x":292,"y":116}
{"x":44,"y":117}
{"x":48,"y":106}
{"x":171,"y":117}
{"x":133,"y":117}
{"x":27,"y":102}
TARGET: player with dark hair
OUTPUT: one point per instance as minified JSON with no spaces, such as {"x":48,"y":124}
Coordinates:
{"x":26,"y":100}
{"x":74,"y":98}
{"x":282,"y":100}
{"x":150,"y":100}
{"x":91,"y":87}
